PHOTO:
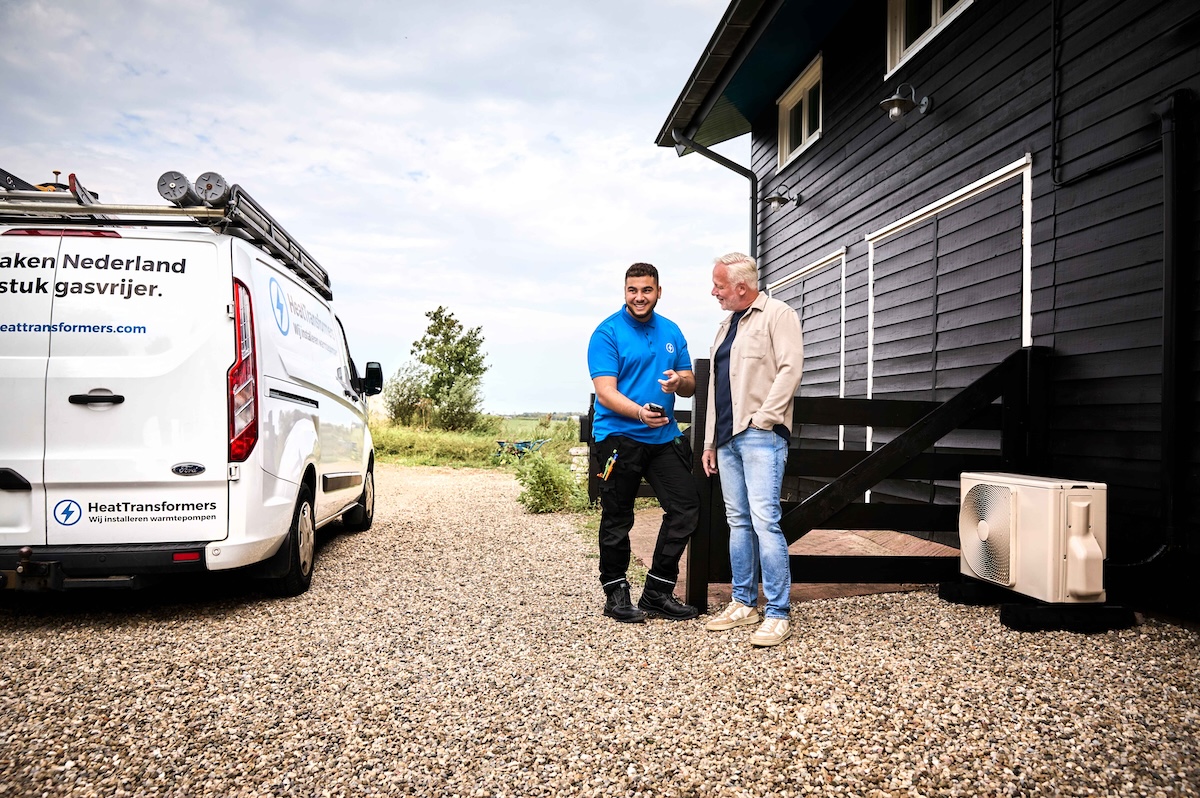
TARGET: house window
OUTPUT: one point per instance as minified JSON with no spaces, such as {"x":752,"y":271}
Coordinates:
{"x":800,"y":113}
{"x":912,"y":23}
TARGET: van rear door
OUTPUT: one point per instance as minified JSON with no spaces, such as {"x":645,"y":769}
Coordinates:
{"x":136,"y":389}
{"x":27,"y":262}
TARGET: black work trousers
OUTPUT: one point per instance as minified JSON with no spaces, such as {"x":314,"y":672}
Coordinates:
{"x":667,"y":467}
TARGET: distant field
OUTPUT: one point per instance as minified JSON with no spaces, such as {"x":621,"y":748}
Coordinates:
{"x":524,"y":428}
{"x":418,"y":446}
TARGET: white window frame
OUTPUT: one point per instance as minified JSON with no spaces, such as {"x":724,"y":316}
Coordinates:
{"x":897,"y":56}
{"x":794,"y":96}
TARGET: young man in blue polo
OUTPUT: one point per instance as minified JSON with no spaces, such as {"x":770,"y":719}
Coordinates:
{"x":639,"y":362}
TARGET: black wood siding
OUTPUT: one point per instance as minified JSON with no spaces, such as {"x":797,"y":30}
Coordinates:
{"x":947,"y":292}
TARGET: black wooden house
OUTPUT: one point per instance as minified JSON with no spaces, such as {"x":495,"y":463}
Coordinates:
{"x":1034,"y":190}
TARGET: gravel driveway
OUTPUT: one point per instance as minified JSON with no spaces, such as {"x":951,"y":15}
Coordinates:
{"x":458,"y":649}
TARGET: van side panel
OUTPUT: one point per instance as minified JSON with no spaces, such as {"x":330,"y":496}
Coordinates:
{"x":145,"y":317}
{"x":346,"y":464}
{"x":305,"y":383}
{"x":291,"y":445}
{"x":26,"y":292}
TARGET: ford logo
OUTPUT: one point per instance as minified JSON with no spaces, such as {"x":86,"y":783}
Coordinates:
{"x":187,"y":469}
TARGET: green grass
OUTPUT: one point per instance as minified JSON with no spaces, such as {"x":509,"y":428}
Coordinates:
{"x":433,"y":447}
{"x":414,"y":446}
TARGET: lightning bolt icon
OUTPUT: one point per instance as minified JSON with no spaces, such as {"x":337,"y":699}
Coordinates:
{"x":67,"y":512}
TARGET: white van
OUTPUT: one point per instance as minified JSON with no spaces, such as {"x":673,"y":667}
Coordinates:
{"x":179,"y":394}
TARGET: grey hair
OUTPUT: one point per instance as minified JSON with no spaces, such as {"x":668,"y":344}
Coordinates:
{"x":741,"y":268}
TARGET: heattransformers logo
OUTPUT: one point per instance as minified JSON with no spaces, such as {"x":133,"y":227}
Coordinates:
{"x":68,"y":512}
{"x":308,"y":326}
{"x":279,"y":307}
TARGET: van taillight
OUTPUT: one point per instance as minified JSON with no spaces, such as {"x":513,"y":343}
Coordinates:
{"x":243,"y":386}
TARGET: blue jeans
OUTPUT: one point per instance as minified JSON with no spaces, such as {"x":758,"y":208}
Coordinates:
{"x":751,"y":470}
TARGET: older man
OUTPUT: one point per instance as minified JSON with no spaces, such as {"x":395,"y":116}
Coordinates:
{"x":756,"y":368}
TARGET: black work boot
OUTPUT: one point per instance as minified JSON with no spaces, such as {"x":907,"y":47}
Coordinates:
{"x":620,"y":606}
{"x":665,"y":605}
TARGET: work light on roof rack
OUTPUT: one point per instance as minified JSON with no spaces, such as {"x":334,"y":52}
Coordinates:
{"x":213,"y":189}
{"x":177,"y":189}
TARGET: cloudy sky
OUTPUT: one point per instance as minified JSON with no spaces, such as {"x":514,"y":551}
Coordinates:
{"x":495,"y":158}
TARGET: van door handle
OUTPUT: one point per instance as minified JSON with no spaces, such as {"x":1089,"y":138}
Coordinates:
{"x":94,"y":399}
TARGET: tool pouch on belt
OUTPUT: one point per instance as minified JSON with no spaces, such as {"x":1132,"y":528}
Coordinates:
{"x":617,"y":458}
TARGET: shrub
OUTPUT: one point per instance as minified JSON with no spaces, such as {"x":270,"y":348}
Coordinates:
{"x":404,"y":394}
{"x":488,"y":425}
{"x":567,"y":431}
{"x":549,"y":486}
{"x":457,"y":407}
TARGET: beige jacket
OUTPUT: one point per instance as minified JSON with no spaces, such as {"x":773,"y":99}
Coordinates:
{"x":765,"y":366}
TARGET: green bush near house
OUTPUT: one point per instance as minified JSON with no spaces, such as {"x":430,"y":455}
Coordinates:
{"x":549,"y":486}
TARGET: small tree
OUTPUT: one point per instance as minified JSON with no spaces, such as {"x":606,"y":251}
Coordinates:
{"x":449,"y":350}
{"x":405,"y":393}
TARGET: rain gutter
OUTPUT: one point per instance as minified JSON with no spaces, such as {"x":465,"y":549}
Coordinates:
{"x":741,"y":170}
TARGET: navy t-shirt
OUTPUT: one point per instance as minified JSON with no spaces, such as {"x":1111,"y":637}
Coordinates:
{"x":724,"y":398}
{"x":637,"y":353}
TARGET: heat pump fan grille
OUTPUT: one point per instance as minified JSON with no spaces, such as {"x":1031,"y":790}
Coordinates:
{"x":985,"y":532}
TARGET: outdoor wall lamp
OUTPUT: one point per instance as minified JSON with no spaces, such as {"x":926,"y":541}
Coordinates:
{"x":782,"y":196}
{"x":898,"y":105}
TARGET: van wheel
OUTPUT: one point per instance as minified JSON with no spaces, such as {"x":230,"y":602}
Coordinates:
{"x":359,"y":519}
{"x":302,"y":546}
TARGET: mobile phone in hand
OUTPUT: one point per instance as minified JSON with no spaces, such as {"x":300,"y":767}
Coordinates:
{"x":654,"y":408}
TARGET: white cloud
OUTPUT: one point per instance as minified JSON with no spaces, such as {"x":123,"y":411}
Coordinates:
{"x":498,"y":160}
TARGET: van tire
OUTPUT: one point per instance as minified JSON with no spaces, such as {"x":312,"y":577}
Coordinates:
{"x":301,"y":544}
{"x":360,"y":518}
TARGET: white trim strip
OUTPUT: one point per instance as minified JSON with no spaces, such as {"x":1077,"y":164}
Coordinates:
{"x":1022,"y":168}
{"x":978,"y":187}
{"x":842,"y":347}
{"x":804,"y":271}
{"x":1027,"y":256}
{"x":870,"y":320}
{"x":837,"y":256}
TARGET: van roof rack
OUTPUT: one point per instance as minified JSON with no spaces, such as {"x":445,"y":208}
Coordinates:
{"x":213,"y":203}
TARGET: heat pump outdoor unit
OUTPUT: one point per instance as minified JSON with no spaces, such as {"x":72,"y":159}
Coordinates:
{"x":1044,"y":538}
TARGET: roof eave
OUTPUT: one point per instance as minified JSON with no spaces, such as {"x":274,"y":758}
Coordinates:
{"x":702,"y":95}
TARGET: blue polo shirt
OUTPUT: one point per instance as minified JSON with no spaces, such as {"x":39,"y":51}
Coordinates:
{"x":637,"y":353}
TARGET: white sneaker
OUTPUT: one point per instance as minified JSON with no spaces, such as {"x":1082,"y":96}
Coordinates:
{"x":733,"y":616}
{"x":772,"y":632}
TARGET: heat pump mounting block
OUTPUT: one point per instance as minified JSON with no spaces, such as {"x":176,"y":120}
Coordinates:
{"x":1042,"y":537}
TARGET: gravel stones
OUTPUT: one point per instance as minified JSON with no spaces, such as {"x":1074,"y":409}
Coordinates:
{"x":457,"y":649}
